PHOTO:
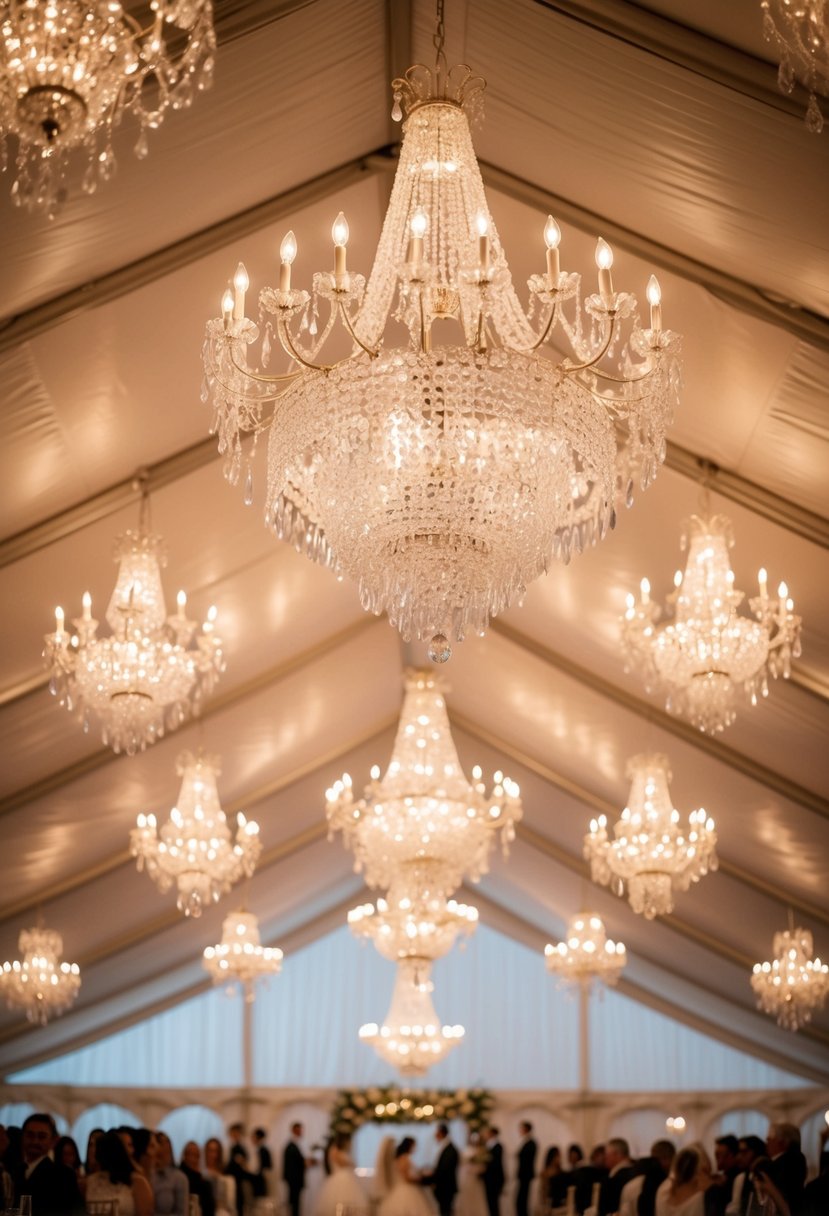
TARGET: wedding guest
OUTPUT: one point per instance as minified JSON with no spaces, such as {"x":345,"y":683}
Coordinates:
{"x":620,"y":1169}
{"x":262,"y":1163}
{"x":6,"y":1187}
{"x":639,"y":1194}
{"x":118,"y":1179}
{"x":586,"y":1175}
{"x":749,"y":1150}
{"x":52,"y":1186}
{"x":554,"y":1179}
{"x":726,"y":1149}
{"x":816,"y":1193}
{"x":341,"y":1188}
{"x":144,"y":1149}
{"x":443,"y":1178}
{"x":294,"y":1165}
{"x":527,"y":1152}
{"x":221,"y":1184}
{"x":683,"y":1192}
{"x":493,"y":1171}
{"x":90,"y":1165}
{"x":237,"y":1166}
{"x":66,"y":1152}
{"x":197,"y":1184}
{"x":787,"y":1172}
{"x":169,"y":1184}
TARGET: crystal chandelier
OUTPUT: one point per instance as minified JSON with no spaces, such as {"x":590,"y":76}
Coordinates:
{"x":422,"y":825}
{"x":40,"y":985}
{"x":794,"y":985}
{"x":240,"y":957}
{"x":709,"y":653}
{"x":194,"y":849}
{"x":650,"y":853}
{"x":71,"y":69}
{"x":411,"y":1038}
{"x":799,"y":32}
{"x":402,"y":927}
{"x":586,"y":954}
{"x":152,"y":671}
{"x":442,"y":478}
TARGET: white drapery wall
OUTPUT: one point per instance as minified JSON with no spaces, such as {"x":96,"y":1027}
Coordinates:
{"x":521,"y":1032}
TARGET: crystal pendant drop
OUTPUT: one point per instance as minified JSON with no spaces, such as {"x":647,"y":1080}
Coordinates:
{"x":439,"y":650}
{"x":248,"y":496}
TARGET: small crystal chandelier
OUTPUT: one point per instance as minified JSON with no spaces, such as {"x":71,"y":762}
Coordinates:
{"x":650,"y":853}
{"x":240,"y":957}
{"x":587,"y":954}
{"x":442,"y":479}
{"x":153,"y":670}
{"x":411,"y":1038}
{"x":194,"y":849}
{"x":406,"y":928}
{"x":71,"y":69}
{"x":40,"y":985}
{"x":422,"y":825}
{"x":799,"y":33}
{"x":708,"y":653}
{"x":794,"y":985}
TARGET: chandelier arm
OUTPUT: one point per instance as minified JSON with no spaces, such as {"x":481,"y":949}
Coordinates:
{"x":290,"y":348}
{"x":371,"y":352}
{"x":256,"y":375}
{"x":569,"y":368}
{"x":548,"y":329}
{"x":623,"y":379}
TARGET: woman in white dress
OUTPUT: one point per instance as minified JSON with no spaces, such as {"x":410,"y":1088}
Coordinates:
{"x":683,"y":1191}
{"x":117,"y":1179}
{"x":471,"y":1197}
{"x":341,"y":1189}
{"x":405,"y":1196}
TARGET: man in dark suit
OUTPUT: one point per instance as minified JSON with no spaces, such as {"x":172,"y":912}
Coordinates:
{"x":237,"y":1166}
{"x":444,"y":1177}
{"x":620,"y":1169}
{"x":53,"y":1187}
{"x":294,"y":1164}
{"x":787,"y":1171}
{"x":262,"y":1162}
{"x":527,"y":1152}
{"x":493,"y":1177}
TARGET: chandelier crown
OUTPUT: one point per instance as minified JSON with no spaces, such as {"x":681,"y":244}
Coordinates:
{"x":40,"y":984}
{"x":587,"y":954}
{"x":793,"y":985}
{"x":701,"y":651}
{"x":651,"y":853}
{"x":240,"y":957}
{"x":421,"y":86}
{"x":71,"y":69}
{"x":194,"y":849}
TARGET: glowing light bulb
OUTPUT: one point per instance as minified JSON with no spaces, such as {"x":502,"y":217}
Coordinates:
{"x":604,"y":254}
{"x":241,"y":282}
{"x":419,"y":222}
{"x":552,"y":237}
{"x":552,"y":233}
{"x":604,"y":261}
{"x":654,"y":293}
{"x":482,"y":224}
{"x":287,"y":253}
{"x":181,"y":600}
{"x":87,"y":606}
{"x":227,"y":306}
{"x":339,"y":231}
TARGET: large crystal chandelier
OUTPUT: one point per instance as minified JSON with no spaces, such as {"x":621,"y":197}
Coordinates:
{"x":799,"y":32}
{"x":240,"y":958}
{"x":650,"y":853}
{"x":411,"y":1038}
{"x":587,"y":954}
{"x":71,"y":69}
{"x":153,"y":670}
{"x":194,"y":849}
{"x":709,"y":653}
{"x":406,"y":927}
{"x":793,"y":985}
{"x":442,"y":475}
{"x":422,"y":826}
{"x":41,"y":985}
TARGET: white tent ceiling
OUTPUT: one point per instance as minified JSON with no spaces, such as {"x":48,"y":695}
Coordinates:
{"x":620,"y":119}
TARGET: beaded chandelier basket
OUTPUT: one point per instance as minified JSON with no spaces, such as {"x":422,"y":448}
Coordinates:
{"x":793,"y":985}
{"x":40,"y":984}
{"x":70,"y":70}
{"x":650,"y":853}
{"x":411,"y":1037}
{"x":240,"y":958}
{"x":587,"y":954}
{"x":403,"y":927}
{"x":442,"y":478}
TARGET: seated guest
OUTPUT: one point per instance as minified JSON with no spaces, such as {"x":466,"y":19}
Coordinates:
{"x":222,"y":1185}
{"x":118,"y":1179}
{"x":66,"y":1153}
{"x":52,"y":1186}
{"x":169,"y":1184}
{"x":197,"y":1183}
{"x":586,"y":1176}
{"x":553,"y":1179}
{"x":90,"y":1165}
{"x":683,"y":1192}
{"x":620,"y":1169}
{"x":638,"y":1196}
{"x":749,"y":1150}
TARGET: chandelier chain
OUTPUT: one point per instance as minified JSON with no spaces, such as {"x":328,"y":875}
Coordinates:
{"x":439,"y":38}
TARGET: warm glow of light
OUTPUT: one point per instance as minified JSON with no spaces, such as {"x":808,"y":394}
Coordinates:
{"x":287,"y":250}
{"x":241,"y":281}
{"x":654,"y":291}
{"x":419,"y":222}
{"x":604,"y":254}
{"x":552,"y":233}
{"x":339,"y":230}
{"x":482,"y":223}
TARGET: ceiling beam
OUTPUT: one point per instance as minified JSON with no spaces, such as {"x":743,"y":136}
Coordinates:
{"x":254,"y":798}
{"x":753,"y":769}
{"x":494,"y":913}
{"x":216,"y":705}
{"x":601,"y":806}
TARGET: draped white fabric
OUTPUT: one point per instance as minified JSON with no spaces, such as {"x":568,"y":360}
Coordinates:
{"x":521,"y":1032}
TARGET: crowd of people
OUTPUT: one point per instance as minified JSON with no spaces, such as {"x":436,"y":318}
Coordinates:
{"x":130,"y":1171}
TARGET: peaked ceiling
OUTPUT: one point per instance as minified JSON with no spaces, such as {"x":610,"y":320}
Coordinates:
{"x":658,"y":126}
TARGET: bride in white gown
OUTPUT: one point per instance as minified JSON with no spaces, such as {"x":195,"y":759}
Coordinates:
{"x":396,"y":1181}
{"x":341,"y":1189}
{"x":471,"y":1197}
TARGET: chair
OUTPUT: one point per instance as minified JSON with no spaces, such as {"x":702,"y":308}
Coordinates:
{"x":102,"y":1207}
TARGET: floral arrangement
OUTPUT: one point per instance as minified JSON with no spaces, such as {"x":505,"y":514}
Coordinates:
{"x":391,"y":1104}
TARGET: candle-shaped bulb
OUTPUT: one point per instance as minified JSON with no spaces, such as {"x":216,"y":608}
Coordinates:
{"x":604,"y":254}
{"x":645,"y":588}
{"x":552,"y":233}
{"x":654,"y":291}
{"x":339,"y":231}
{"x":763,"y":580}
{"x":87,"y":606}
{"x":783,"y":591}
{"x":482,"y":223}
{"x":59,"y":620}
{"x":227,"y":303}
{"x":419,"y":223}
{"x":287,"y":250}
{"x":678,"y":579}
{"x":241,"y":281}
{"x":181,"y":600}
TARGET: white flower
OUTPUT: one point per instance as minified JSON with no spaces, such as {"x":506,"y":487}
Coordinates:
{"x":359,"y":1101}
{"x":466,"y":1108}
